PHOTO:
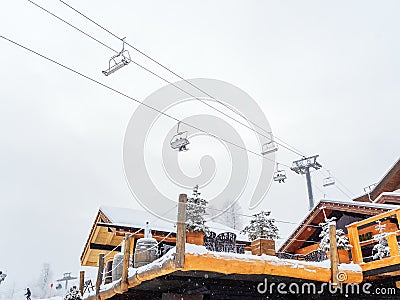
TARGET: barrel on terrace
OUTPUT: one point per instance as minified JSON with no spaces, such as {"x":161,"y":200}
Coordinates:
{"x":146,"y":251}
{"x":108,"y":273}
{"x":117,"y":266}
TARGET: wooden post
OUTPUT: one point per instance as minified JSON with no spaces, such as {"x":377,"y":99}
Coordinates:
{"x":392,"y":243}
{"x":333,"y":254}
{"x":354,"y":239}
{"x":181,"y":232}
{"x":125,"y":264}
{"x":81,"y":281}
{"x":99,"y":275}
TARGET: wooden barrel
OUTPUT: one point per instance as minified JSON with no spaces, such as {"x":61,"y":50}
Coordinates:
{"x":108,"y":273}
{"x":146,"y":251}
{"x":117,"y":266}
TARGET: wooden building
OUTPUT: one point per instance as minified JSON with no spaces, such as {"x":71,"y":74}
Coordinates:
{"x":384,"y":197}
{"x":112,"y":223}
{"x":195,"y":272}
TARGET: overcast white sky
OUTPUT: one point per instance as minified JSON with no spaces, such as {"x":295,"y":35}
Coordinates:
{"x":326,"y":75}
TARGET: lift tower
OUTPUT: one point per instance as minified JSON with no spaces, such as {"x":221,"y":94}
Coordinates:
{"x":302,"y":166}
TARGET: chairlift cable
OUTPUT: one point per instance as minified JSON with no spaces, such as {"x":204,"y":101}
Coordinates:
{"x":294,"y":150}
{"x":73,"y":26}
{"x":162,"y":78}
{"x":135,"y":100}
{"x":343,"y":192}
{"x":350,"y":192}
{"x":281,"y":143}
{"x":289,"y":147}
{"x":251,"y":216}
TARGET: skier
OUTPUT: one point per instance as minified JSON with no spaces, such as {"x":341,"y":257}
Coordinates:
{"x":28,"y":294}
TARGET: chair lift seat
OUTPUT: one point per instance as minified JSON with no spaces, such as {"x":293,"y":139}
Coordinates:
{"x":328,"y":181}
{"x":269,"y":148}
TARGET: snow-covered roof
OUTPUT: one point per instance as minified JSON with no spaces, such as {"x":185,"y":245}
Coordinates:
{"x":364,"y":204}
{"x":338,"y":204}
{"x":137,"y":218}
{"x":388,"y":183}
{"x":392,"y":194}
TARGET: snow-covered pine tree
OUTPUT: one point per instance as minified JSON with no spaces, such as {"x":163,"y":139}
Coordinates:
{"x":341,"y":241}
{"x":381,"y":249}
{"x":261,"y":226}
{"x":195,"y":212}
{"x":73,"y":294}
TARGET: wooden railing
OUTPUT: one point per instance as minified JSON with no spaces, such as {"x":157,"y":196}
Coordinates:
{"x":353,"y":234}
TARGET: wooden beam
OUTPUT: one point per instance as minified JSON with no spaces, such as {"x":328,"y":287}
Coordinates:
{"x":354,"y":240}
{"x":224,"y":263}
{"x":94,"y":246}
{"x":81,"y":281}
{"x":125,"y":264}
{"x":380,"y":263}
{"x":382,"y":270}
{"x":99,"y":275}
{"x":386,"y":214}
{"x":181,"y":232}
{"x":392,"y":243}
{"x":334,"y":257}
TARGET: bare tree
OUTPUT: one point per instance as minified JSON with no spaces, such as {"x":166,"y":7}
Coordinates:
{"x":228,"y":213}
{"x":44,"y":280}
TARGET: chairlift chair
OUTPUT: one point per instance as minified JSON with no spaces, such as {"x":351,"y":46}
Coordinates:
{"x":179,"y":140}
{"x":118,"y":61}
{"x":280,"y":175}
{"x":269,"y":148}
{"x":328,"y":180}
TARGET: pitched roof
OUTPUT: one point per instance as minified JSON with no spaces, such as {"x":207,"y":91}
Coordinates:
{"x":137,"y":219}
{"x":315,"y":216}
{"x":389,"y":183}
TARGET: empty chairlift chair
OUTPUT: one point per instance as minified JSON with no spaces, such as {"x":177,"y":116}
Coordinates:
{"x":269,"y":147}
{"x":328,"y":181}
{"x":118,"y":61}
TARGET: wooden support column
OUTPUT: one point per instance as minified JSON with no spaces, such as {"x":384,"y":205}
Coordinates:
{"x":181,"y":232}
{"x":392,"y":243}
{"x":333,"y":254}
{"x":100,"y":271}
{"x":81,"y":281}
{"x":125,"y":264}
{"x":355,"y":242}
{"x":398,"y":218}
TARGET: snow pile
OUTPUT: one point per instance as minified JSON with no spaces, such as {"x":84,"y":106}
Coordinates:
{"x":201,"y":250}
